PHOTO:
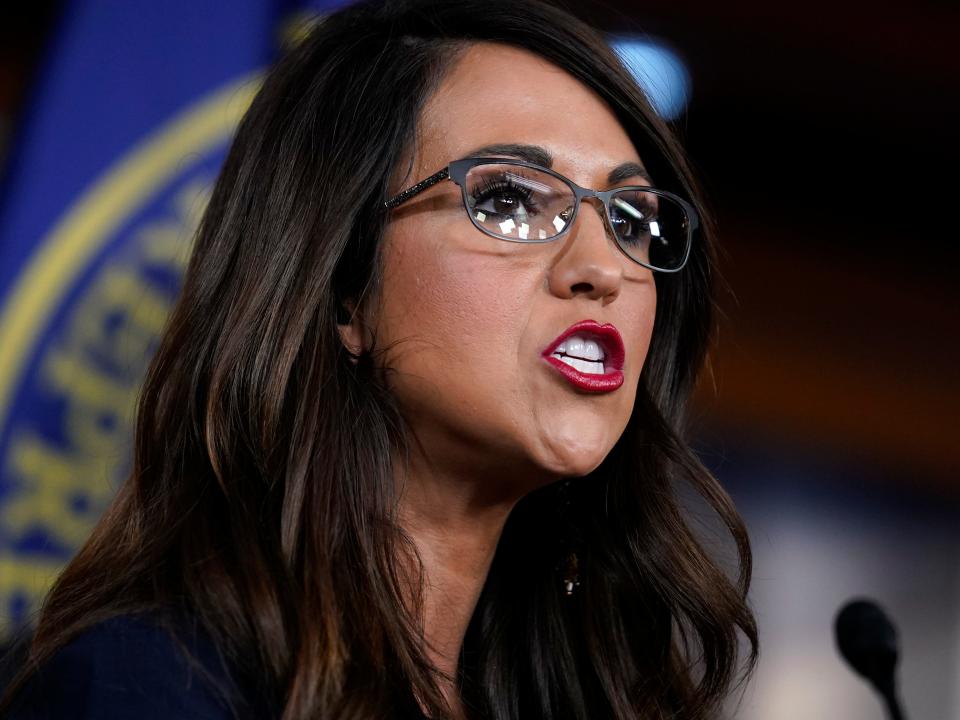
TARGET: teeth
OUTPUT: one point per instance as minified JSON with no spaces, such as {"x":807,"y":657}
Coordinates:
{"x":591,"y":351}
{"x":581,"y":347}
{"x":585,"y":366}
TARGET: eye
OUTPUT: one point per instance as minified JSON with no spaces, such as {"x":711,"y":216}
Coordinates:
{"x":502,"y":197}
{"x":634,"y":218}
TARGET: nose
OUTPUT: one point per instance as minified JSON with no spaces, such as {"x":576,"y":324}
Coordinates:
{"x":588,"y":262}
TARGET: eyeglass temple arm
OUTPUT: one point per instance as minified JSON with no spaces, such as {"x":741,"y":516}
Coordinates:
{"x":418,"y":188}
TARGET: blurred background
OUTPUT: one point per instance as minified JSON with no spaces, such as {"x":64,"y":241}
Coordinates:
{"x":825,"y":136}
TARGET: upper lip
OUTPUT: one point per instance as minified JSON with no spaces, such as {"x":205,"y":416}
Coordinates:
{"x":606,"y":336}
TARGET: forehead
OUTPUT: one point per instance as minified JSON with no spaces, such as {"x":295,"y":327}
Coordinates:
{"x":497,"y":93}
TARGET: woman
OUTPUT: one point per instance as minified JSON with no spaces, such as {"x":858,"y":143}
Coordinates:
{"x":412,"y":439}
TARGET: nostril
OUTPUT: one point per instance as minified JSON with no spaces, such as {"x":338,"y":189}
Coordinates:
{"x":581,"y":287}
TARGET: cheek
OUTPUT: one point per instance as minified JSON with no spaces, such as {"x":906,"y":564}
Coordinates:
{"x":451,"y":318}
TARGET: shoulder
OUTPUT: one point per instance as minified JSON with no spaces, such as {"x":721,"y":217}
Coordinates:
{"x":129,"y":666}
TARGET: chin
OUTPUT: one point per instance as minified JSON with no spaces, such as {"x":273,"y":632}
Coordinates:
{"x":577,"y":454}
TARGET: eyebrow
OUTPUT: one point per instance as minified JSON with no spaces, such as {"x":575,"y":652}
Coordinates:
{"x":539,"y":156}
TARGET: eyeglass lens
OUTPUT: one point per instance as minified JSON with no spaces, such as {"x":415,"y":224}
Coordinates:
{"x":524,"y":204}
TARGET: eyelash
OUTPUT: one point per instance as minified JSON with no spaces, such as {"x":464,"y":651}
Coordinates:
{"x":502,"y":184}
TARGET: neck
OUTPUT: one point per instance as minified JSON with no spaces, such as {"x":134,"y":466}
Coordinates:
{"x":455,"y":522}
{"x":456,"y":543}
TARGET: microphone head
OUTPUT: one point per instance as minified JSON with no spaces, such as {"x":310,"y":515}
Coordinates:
{"x":867,"y":640}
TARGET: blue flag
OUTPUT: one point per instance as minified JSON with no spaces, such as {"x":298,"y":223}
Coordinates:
{"x":109,"y":174}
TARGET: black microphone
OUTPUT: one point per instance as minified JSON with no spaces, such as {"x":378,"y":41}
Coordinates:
{"x":867,"y":640}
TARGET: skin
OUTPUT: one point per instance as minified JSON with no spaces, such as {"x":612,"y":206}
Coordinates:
{"x":462,"y":319}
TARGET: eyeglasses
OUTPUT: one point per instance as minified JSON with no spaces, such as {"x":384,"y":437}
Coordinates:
{"x":522,"y":202}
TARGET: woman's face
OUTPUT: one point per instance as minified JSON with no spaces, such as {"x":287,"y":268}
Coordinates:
{"x":463,"y":319}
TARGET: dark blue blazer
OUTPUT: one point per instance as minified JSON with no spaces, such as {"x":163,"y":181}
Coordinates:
{"x":130,"y":667}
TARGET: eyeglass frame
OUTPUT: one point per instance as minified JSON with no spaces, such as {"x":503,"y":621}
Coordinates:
{"x":457,"y":170}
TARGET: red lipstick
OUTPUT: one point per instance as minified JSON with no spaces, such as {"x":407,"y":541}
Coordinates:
{"x":611,"y":347}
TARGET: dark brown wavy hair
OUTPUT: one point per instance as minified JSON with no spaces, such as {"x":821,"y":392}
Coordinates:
{"x":261,"y":500}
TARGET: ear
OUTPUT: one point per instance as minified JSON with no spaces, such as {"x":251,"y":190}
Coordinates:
{"x":350,"y":327}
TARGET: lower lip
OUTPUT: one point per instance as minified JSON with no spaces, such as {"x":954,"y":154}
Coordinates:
{"x":607,"y":382}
